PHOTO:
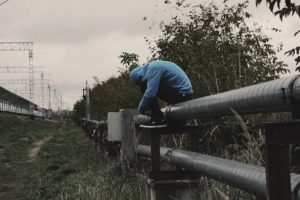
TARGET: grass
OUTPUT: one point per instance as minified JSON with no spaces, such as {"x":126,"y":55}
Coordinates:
{"x":67,"y":166}
{"x":17,"y":134}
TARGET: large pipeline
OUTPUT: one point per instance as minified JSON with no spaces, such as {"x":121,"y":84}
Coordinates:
{"x":281,"y":95}
{"x":244,"y":176}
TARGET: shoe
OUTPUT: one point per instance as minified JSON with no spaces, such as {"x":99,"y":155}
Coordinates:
{"x":154,"y":124}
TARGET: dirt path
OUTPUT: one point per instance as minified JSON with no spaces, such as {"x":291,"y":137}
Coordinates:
{"x":22,"y":175}
{"x":37,"y":145}
{"x":32,"y":154}
{"x":19,"y":155}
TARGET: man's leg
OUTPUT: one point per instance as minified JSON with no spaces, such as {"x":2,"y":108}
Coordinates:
{"x":173,"y":96}
{"x":156,"y":114}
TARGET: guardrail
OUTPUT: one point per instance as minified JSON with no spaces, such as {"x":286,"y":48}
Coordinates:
{"x":97,"y":132}
{"x":275,"y":182}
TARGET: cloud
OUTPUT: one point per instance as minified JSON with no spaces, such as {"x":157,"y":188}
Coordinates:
{"x":74,"y":21}
{"x":76,"y":40}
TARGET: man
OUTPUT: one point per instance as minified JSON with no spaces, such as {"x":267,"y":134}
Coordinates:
{"x":161,"y":79}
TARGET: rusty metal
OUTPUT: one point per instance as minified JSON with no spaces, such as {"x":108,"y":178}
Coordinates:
{"x":177,"y":179}
{"x":241,"y":175}
{"x":283,"y":133}
{"x":155,"y":151}
{"x":172,"y":183}
{"x":169,"y":130}
{"x":278,"y":172}
{"x":279,"y":136}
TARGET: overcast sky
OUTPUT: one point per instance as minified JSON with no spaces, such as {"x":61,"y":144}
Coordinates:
{"x":75,"y":40}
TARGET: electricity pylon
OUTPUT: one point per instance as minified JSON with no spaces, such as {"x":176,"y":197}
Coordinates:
{"x":24,"y":46}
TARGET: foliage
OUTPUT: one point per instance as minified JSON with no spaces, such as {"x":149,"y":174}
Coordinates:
{"x":129,"y":60}
{"x":116,"y":92}
{"x":288,"y":8}
{"x":214,"y":46}
{"x":79,"y":110}
{"x":218,"y":50}
{"x":113,"y":94}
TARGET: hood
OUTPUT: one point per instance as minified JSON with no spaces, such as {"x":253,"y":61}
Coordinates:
{"x":137,"y":75}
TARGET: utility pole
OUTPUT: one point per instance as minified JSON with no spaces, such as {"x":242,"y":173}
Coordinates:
{"x":55,"y":99}
{"x":49,"y":96}
{"x":42,"y":90}
{"x":87,"y":101}
{"x":31,"y":82}
{"x":61,"y":102}
{"x":61,"y":107}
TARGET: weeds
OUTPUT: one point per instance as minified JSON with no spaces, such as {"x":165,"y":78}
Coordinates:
{"x":69,"y":167}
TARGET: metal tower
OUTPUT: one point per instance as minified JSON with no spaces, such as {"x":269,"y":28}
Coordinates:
{"x":49,"y":96}
{"x":19,"y":69}
{"x":31,"y":81}
{"x":23,"y":46}
{"x":42,"y":90}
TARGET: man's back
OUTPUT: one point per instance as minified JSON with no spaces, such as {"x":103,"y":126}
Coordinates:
{"x":170,"y":74}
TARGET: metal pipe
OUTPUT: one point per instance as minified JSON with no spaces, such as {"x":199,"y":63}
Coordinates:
{"x":244,"y":176}
{"x":94,"y":122}
{"x":272,"y":96}
{"x":281,"y":95}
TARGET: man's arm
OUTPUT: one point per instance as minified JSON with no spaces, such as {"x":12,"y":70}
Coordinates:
{"x":151,"y":91}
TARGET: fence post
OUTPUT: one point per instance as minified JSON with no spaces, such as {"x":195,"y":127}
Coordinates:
{"x":279,"y":137}
{"x":166,"y":183}
{"x":128,"y":146}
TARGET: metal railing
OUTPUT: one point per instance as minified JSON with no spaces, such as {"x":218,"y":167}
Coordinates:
{"x":282,"y":95}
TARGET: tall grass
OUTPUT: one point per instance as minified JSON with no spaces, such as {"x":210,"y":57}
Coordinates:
{"x":103,"y":182}
{"x":69,"y":167}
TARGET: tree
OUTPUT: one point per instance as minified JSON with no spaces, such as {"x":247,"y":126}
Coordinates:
{"x":214,"y":46}
{"x":217,"y":49}
{"x":129,"y":60}
{"x":286,"y":10}
{"x":79,"y":110}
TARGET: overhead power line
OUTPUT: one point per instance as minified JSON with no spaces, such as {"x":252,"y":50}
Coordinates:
{"x":3,"y":2}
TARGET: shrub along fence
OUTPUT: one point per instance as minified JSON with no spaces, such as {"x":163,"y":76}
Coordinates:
{"x":274,"y":182}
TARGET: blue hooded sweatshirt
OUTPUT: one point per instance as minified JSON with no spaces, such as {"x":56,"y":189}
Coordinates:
{"x":157,"y":72}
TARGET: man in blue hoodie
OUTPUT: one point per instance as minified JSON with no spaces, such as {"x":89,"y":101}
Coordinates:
{"x":161,"y":79}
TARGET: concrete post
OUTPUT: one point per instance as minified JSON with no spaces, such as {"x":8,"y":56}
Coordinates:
{"x":128,"y":144}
